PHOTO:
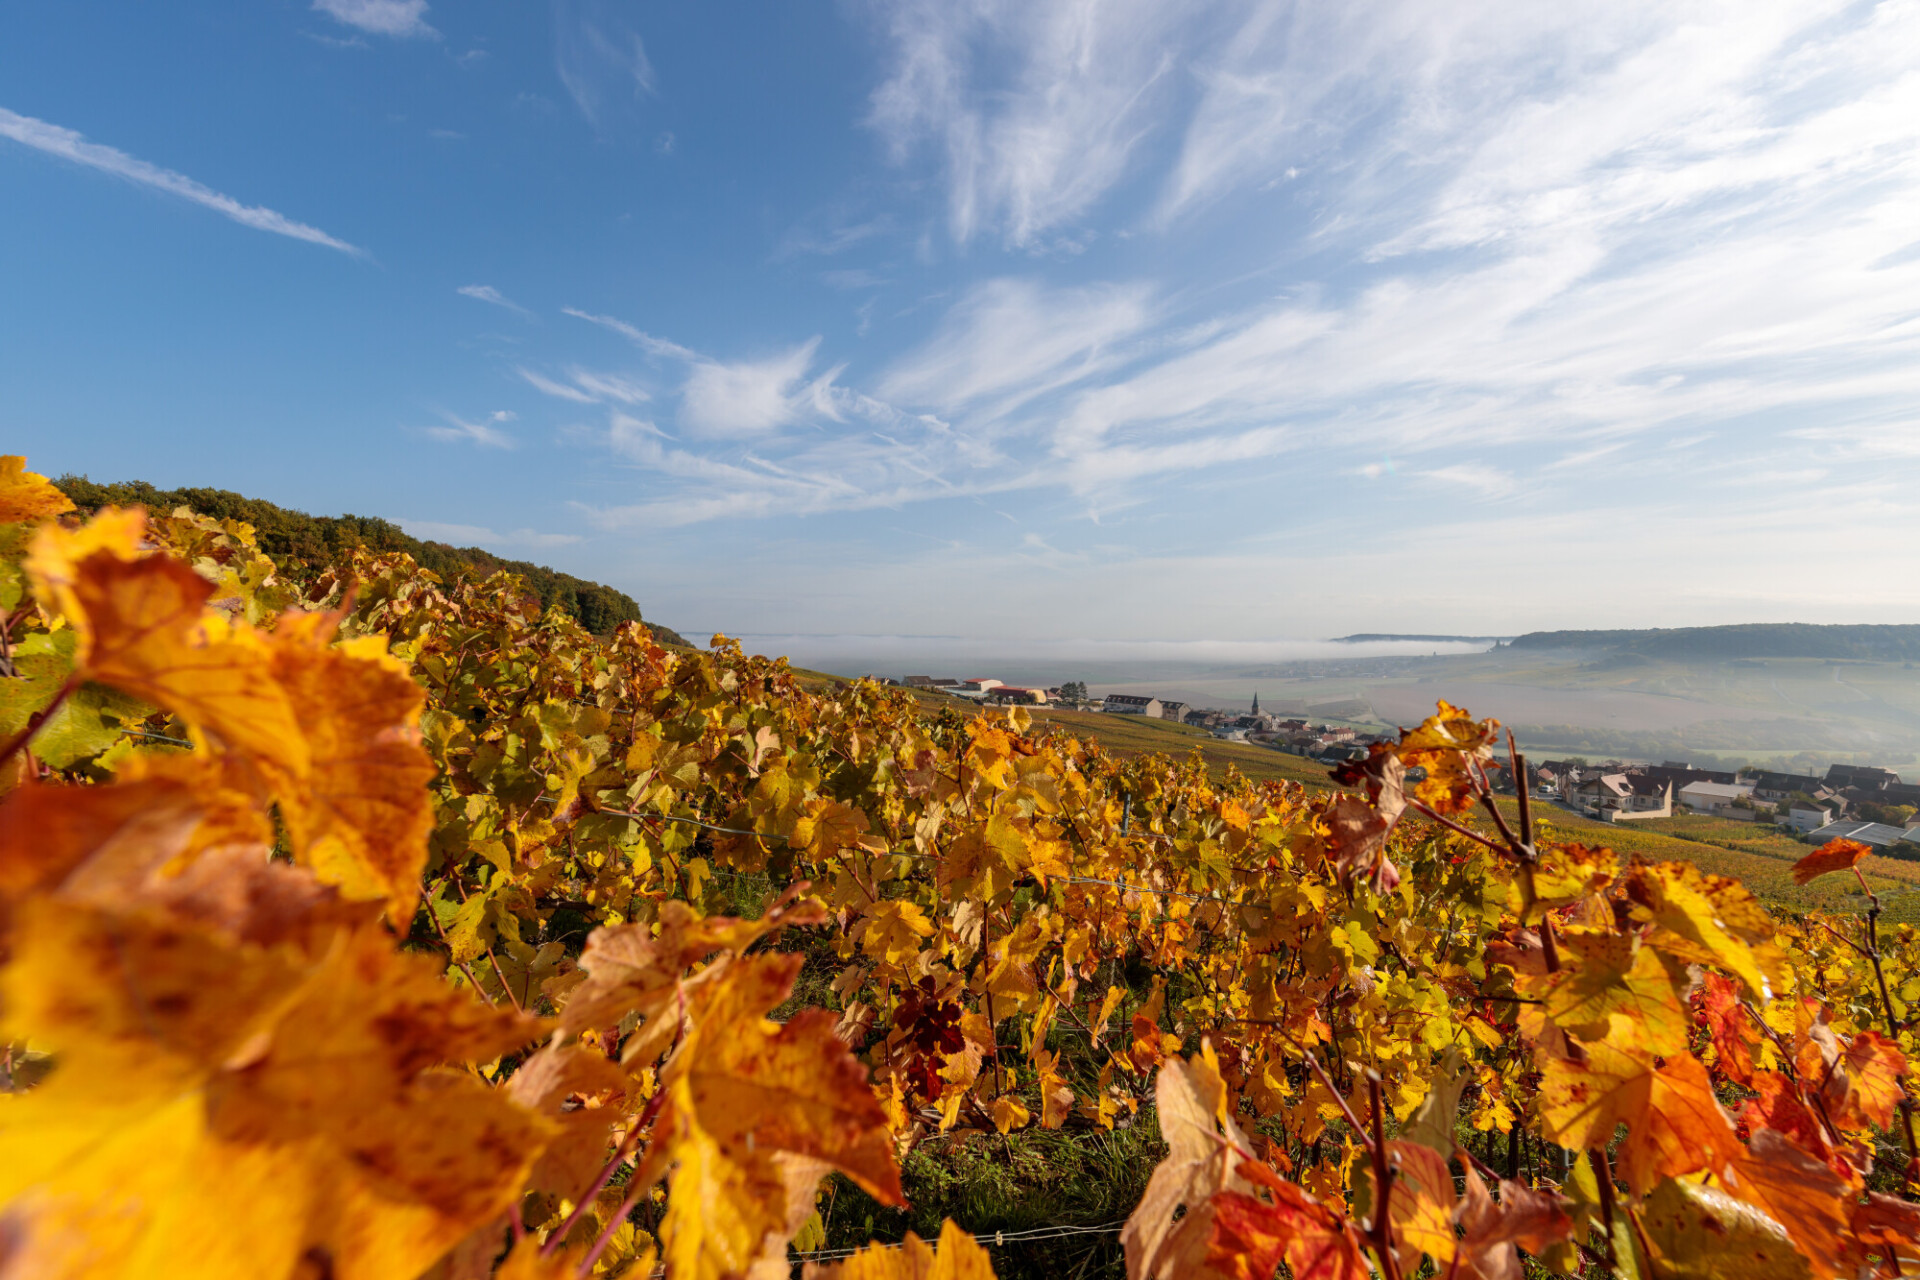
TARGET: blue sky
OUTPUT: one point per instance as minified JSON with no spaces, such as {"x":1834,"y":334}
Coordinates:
{"x":1012,"y":321}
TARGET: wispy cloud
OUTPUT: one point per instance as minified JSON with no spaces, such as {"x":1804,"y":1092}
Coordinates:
{"x":401,"y":18}
{"x":1014,"y":339}
{"x":1033,"y":109}
{"x":487,"y":435}
{"x":586,"y":387}
{"x":487,"y":293}
{"x":71,"y":146}
{"x":747,"y":397}
{"x":645,"y":341}
{"x":473,"y":535}
{"x":599,"y":58}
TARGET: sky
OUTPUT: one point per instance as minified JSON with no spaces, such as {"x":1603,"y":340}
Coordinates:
{"x":1059,"y":322}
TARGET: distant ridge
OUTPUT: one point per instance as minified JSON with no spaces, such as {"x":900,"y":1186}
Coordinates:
{"x":1876,"y":643}
{"x":1367,"y":636}
{"x":294,"y":538}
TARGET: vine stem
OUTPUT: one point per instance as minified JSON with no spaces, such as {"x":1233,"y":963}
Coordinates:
{"x":1603,"y":1179}
{"x":627,"y":1144}
{"x":1872,"y":952}
{"x":1454,"y":826}
{"x":1381,"y":1228}
{"x":20,"y":740}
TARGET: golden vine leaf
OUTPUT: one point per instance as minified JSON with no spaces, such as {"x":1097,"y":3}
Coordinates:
{"x":957,"y":1257}
{"x":198,"y":1076}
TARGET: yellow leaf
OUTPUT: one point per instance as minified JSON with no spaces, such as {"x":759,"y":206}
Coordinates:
{"x":361,"y":814}
{"x":958,"y":1257}
{"x":144,"y":630}
{"x":1695,"y":1232}
{"x":894,"y":929}
{"x":25,"y":495}
{"x":224,"y":1110}
{"x":1612,"y":974}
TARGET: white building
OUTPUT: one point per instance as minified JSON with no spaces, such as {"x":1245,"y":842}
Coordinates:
{"x":1131,"y":704}
{"x":1714,"y":797}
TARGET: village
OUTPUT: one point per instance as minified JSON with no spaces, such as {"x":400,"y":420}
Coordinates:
{"x":1872,"y":805}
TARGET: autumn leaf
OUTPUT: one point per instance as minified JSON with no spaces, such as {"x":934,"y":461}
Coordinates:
{"x":757,"y":1112}
{"x":1889,"y":1226}
{"x":1532,"y":1219}
{"x":197,"y":1075}
{"x":1794,"y":1189}
{"x":27,"y":496}
{"x":1864,"y":1088}
{"x":957,"y":1257}
{"x":1449,"y":744}
{"x":1839,"y":854}
{"x":1695,"y":1232}
{"x":1252,"y":1237}
{"x":893,"y":930}
{"x":633,"y":969}
{"x":144,"y":629}
{"x":360,"y":814}
{"x":1609,"y":974}
{"x":1674,"y":1122}
{"x":1357,"y":841}
{"x":1169,"y":1234}
{"x":1696,"y":918}
{"x":1421,"y":1206}
{"x":1731,"y":1029}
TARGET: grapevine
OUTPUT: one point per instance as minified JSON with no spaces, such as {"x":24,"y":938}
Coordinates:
{"x":361,"y":923}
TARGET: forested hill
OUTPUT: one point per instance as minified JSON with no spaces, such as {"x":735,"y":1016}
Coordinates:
{"x":299,"y":540}
{"x":1899,"y":643}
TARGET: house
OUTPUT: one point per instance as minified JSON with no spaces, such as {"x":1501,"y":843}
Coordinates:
{"x":1017,"y":695}
{"x":1205,"y":719}
{"x":1807,"y":815}
{"x":979,"y":684}
{"x":1131,"y":704}
{"x":1175,"y":711}
{"x":1715,"y":797}
{"x":1778,"y":786}
{"x":1877,"y":834}
{"x":1615,"y":797}
{"x":1840,"y":776}
{"x":931,"y":682}
{"x":1682,"y":776}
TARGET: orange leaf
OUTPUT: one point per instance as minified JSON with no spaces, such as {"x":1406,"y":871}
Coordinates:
{"x":145,"y":630}
{"x":26,"y":496}
{"x":1161,"y":1240}
{"x":1674,"y":1122}
{"x":1800,"y":1192}
{"x":1865,"y":1088}
{"x":1731,"y":1028}
{"x":1252,"y":1237}
{"x":1835,"y":855}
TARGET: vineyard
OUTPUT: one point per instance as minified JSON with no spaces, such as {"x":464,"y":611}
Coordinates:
{"x":360,"y":923}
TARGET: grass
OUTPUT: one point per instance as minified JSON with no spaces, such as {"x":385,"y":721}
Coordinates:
{"x":1032,"y":1179}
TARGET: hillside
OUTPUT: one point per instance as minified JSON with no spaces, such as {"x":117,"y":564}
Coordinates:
{"x":1749,"y":640}
{"x":297,"y":541}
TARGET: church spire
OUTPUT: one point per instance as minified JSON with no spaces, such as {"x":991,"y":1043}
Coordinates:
{"x":1256,"y":702}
